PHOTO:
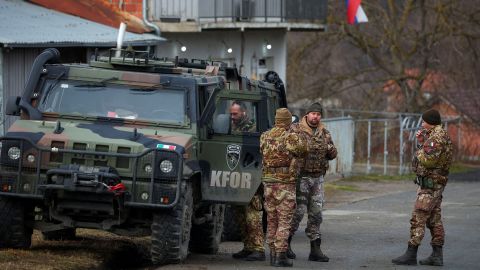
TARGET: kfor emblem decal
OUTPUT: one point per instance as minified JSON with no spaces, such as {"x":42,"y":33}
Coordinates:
{"x":233,"y":155}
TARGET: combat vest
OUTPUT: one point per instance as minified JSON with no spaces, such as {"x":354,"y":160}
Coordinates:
{"x":279,"y":148}
{"x":315,"y":162}
{"x":434,"y":157}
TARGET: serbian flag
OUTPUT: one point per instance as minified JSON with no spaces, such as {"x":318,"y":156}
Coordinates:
{"x":355,"y":13}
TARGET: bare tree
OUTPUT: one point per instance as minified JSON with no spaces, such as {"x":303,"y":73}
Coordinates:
{"x":403,"y":44}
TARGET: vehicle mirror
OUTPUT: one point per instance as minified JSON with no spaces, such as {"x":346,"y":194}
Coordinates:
{"x":209,"y":108}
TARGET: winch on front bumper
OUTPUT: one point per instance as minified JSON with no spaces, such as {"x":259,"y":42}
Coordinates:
{"x":149,"y":179}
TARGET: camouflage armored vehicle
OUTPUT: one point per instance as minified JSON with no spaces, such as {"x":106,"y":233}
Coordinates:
{"x":131,"y":145}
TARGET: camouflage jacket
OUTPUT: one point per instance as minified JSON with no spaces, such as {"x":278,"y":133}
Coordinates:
{"x":281,"y":149}
{"x":245,"y":125}
{"x":320,"y":147}
{"x":434,"y":156}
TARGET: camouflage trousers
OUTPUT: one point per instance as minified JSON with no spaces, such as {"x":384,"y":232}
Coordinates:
{"x":249,"y":218}
{"x":310,"y":198}
{"x":427,"y":212}
{"x":280,"y":207}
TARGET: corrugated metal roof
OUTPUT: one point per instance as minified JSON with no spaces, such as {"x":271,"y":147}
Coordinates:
{"x":23,"y":24}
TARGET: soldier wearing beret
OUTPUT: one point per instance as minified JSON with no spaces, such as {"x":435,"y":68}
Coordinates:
{"x":431,"y":164}
{"x":310,"y":186}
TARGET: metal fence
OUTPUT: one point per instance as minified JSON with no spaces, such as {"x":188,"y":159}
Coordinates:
{"x":342,"y":131}
{"x":386,"y":144}
{"x":377,"y":142}
{"x":239,"y":10}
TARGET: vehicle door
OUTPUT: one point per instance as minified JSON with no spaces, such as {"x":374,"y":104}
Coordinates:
{"x":231,"y":151}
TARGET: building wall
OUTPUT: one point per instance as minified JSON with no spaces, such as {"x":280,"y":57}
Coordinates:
{"x":213,"y":45}
{"x":16,"y":66}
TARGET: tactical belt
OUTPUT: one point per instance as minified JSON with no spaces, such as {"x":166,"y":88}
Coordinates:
{"x":284,"y":170}
{"x":311,"y":174}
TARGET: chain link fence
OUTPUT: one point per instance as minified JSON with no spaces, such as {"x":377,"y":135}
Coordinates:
{"x":380,"y":142}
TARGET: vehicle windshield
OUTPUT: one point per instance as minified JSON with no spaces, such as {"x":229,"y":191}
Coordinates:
{"x":114,"y":100}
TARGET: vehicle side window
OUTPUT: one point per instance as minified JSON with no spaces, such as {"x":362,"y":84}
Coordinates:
{"x":235,"y":117}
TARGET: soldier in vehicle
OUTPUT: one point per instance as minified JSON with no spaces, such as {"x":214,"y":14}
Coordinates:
{"x":431,"y":163}
{"x":240,"y":121}
{"x":310,"y":187}
{"x":248,"y":217}
{"x":281,"y":150}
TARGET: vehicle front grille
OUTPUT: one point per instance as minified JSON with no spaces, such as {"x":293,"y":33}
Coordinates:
{"x":33,"y":164}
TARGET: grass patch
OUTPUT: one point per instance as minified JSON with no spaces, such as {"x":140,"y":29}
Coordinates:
{"x":379,"y":177}
{"x":461,"y":168}
{"x":91,"y":250}
{"x":341,"y":187}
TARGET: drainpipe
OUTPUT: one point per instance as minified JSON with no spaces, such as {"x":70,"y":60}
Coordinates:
{"x":121,"y":34}
{"x":145,"y":18}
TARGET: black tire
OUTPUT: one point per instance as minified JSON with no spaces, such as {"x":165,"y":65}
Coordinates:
{"x":206,"y":237}
{"x":14,"y":232}
{"x":171,"y":230}
{"x":231,"y":230}
{"x":64,"y":234}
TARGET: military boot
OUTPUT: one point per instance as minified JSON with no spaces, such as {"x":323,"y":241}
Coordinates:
{"x":281,"y":260}
{"x":256,"y":256}
{"x":290,"y":253}
{"x":272,"y":257}
{"x":436,"y":258}
{"x":409,"y":258}
{"x":242,"y":254}
{"x":316,"y":253}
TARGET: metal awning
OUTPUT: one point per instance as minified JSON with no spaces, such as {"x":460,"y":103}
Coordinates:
{"x":23,"y":24}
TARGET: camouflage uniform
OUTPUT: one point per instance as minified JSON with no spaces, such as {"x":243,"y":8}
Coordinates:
{"x":310,"y":187}
{"x":280,"y":149}
{"x":249,"y":217}
{"x":431,"y":164}
{"x":245,"y":125}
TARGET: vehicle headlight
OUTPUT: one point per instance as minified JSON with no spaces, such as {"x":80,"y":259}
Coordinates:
{"x":166,"y":166}
{"x":31,"y":158}
{"x":148,"y":168}
{"x":14,"y":153}
{"x":26,"y":187}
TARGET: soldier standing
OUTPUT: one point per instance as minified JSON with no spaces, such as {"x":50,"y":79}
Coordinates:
{"x":280,"y":149}
{"x":431,"y":164}
{"x":249,"y":217}
{"x":310,"y":189}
